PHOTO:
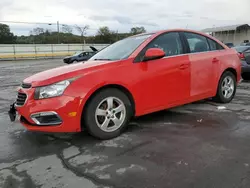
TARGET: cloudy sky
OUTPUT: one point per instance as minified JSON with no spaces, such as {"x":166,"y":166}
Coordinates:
{"x":122,"y":15}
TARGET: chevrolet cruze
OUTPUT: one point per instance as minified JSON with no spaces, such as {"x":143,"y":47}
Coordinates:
{"x":132,"y":77}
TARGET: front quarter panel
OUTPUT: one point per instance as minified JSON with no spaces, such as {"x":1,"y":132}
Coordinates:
{"x":88,"y":83}
{"x":124,"y":73}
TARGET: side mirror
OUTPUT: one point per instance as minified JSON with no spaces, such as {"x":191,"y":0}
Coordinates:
{"x":153,"y":53}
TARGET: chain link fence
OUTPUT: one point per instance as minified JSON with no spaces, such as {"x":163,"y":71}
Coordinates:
{"x":38,"y":51}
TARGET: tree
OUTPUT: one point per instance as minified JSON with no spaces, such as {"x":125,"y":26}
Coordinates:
{"x":105,"y":35}
{"x":37,"y":31}
{"x":82,"y":31}
{"x":137,"y":30}
{"x":104,"y":31}
{"x":66,"y":29}
{"x":6,"y":37}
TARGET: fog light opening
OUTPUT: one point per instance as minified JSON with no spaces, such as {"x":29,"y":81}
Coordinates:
{"x":46,"y":118}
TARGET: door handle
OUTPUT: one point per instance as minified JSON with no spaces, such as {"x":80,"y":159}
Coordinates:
{"x":215,"y":60}
{"x":184,"y":66}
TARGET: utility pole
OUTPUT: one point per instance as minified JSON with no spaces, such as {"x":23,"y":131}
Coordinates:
{"x":58,"y":30}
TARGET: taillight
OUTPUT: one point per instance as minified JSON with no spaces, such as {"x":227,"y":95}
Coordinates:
{"x":241,"y":56}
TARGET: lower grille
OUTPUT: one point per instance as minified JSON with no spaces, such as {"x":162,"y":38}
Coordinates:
{"x":21,"y":98}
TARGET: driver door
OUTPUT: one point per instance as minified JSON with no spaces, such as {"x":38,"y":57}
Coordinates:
{"x":166,"y":81}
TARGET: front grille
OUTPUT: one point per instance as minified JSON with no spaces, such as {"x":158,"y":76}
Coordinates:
{"x":26,"y":86}
{"x":66,"y":60}
{"x":21,"y":98}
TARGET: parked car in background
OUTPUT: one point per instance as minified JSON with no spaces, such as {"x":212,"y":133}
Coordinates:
{"x":132,"y":77}
{"x":230,"y":45}
{"x":80,"y":56}
{"x":245,"y":44}
{"x":244,"y":52}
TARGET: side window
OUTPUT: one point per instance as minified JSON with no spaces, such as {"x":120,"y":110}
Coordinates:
{"x":170,"y":43}
{"x":196,"y":42}
{"x":219,"y":47}
{"x":214,"y":45}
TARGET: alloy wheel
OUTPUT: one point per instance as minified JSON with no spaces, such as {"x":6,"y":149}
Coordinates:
{"x":228,"y":87}
{"x":110,"y":114}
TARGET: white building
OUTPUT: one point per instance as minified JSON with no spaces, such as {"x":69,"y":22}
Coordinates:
{"x":235,"y":34}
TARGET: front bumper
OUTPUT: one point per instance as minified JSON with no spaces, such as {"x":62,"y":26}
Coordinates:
{"x":67,"y":109}
{"x":66,"y":60}
{"x":245,"y":68}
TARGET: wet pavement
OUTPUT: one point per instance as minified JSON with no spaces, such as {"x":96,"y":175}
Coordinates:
{"x":199,"y":145}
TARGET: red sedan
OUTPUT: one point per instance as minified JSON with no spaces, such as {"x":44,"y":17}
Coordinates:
{"x":132,"y":77}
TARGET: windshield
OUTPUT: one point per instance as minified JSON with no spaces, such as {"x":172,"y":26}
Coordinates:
{"x":121,"y":49}
{"x":230,"y":44}
{"x":77,"y":53}
{"x":241,"y":48}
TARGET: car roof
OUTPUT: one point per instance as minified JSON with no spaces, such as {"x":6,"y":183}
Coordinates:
{"x":174,"y":30}
{"x":186,"y":30}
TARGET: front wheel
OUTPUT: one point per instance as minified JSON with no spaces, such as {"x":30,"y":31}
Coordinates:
{"x":226,"y":89}
{"x":107,"y":114}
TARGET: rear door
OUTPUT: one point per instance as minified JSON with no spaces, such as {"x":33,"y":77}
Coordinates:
{"x":204,"y":65}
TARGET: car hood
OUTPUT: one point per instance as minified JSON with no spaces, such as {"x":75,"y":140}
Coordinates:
{"x":66,"y":72}
{"x":67,"y":57}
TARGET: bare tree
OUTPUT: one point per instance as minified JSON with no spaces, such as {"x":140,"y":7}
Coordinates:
{"x":38,"y":31}
{"x":66,"y":29}
{"x":82,"y":30}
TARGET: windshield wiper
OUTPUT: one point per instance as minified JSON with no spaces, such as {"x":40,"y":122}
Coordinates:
{"x":102,"y":59}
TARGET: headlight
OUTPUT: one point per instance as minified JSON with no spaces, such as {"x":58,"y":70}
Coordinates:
{"x":53,"y":90}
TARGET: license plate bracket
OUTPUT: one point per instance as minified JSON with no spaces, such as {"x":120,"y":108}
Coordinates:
{"x":12,"y":112}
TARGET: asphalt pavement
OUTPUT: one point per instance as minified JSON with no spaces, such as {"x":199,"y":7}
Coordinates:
{"x":199,"y":145}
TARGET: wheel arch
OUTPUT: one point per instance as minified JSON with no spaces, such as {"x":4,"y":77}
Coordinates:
{"x":229,"y":69}
{"x":217,"y":97}
{"x":116,"y":86}
{"x":232,"y":70}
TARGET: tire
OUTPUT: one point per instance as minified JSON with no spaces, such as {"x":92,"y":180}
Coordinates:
{"x":93,"y":122}
{"x":220,"y":96}
{"x":246,"y":76}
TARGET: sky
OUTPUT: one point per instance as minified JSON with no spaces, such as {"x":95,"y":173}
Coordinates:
{"x":122,"y":15}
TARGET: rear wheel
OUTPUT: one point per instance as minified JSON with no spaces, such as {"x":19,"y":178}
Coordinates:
{"x":226,"y":88}
{"x":107,"y":114}
{"x":245,"y":76}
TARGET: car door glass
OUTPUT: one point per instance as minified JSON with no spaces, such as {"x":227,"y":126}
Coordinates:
{"x":196,"y":42}
{"x":170,"y":43}
{"x":212,"y":44}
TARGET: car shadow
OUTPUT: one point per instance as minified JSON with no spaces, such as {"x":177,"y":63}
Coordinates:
{"x":245,"y":81}
{"x":32,"y":144}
